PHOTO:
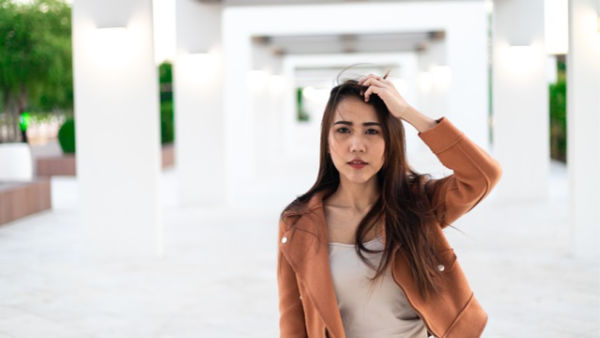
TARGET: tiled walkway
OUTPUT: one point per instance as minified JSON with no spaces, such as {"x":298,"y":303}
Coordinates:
{"x":217,"y":277}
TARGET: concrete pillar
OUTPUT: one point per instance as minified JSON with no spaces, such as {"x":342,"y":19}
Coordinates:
{"x":433,"y":93}
{"x":466,"y":58}
{"x":239,"y":133}
{"x":199,"y":140}
{"x":267,"y":87}
{"x":520,"y":99}
{"x":583,"y":125}
{"x":117,"y":126}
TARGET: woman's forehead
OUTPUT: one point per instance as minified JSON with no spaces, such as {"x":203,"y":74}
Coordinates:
{"x":354,"y":110}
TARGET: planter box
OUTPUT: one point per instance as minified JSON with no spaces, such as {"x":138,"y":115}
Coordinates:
{"x":20,"y":199}
{"x":64,"y":165}
{"x":168,"y":156}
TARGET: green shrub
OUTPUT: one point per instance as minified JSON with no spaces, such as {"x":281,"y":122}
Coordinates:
{"x":66,"y":136}
{"x":165,"y":77}
{"x":166,"y":122}
{"x":301,"y":114}
{"x":558,"y":115}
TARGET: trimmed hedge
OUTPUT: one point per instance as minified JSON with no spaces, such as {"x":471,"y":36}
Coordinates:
{"x":66,"y":136}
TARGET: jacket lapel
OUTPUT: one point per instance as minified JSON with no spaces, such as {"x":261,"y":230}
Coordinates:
{"x":307,"y":252}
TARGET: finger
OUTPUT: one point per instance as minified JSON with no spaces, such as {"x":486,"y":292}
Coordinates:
{"x":372,"y":80}
{"x":375,"y":82}
{"x":371,"y":90}
{"x":369,"y":76}
{"x":373,"y":76}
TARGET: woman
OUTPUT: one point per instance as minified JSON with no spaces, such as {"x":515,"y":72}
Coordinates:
{"x":362,"y":253}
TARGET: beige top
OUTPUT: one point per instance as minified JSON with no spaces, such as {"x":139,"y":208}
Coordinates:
{"x":378,"y":312}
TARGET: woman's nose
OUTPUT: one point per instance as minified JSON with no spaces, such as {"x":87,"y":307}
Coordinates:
{"x":357,"y":144}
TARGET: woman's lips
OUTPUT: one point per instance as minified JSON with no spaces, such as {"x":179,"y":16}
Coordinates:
{"x":357,"y":165}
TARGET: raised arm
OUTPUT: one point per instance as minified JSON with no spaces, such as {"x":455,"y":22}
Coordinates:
{"x":475,"y":171}
{"x":291,"y":314}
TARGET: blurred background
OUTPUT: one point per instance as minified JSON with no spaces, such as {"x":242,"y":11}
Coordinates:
{"x":147,"y":148}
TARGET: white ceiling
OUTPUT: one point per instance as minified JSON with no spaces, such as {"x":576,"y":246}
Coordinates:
{"x":348,"y":43}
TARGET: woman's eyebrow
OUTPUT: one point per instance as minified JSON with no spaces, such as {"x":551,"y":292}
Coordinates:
{"x":366,"y":124}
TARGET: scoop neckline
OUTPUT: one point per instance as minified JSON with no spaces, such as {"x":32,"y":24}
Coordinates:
{"x":352,"y":244}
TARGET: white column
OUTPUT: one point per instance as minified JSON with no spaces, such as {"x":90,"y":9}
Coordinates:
{"x":520,"y":99}
{"x":199,"y":136}
{"x":583,"y":125}
{"x":239,"y":133}
{"x":117,"y":126}
{"x":266,"y":86}
{"x":467,"y":56}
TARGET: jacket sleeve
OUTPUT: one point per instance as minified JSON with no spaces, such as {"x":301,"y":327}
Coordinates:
{"x":291,"y":313}
{"x":475,"y":172}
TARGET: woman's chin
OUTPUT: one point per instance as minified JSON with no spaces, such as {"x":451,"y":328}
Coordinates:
{"x":358,"y":178}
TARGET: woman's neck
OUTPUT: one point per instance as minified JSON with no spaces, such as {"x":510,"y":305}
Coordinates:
{"x":358,"y":197}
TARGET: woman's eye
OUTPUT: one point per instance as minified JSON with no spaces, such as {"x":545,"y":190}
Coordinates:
{"x":372,"y":131}
{"x":342,"y":130}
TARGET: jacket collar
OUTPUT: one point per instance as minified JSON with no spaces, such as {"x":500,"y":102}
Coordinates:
{"x":307,"y":252}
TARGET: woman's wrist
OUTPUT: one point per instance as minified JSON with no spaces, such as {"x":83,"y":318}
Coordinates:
{"x":418,"y":120}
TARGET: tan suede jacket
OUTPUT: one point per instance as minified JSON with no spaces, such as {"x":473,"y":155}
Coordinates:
{"x":307,"y":302}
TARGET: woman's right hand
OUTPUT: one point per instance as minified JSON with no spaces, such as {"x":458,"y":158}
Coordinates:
{"x":385,"y":89}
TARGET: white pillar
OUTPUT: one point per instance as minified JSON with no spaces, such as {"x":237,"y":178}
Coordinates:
{"x":117,"y":126}
{"x":520,"y":99}
{"x":266,"y":86}
{"x":583,"y":125}
{"x":199,"y":136}
{"x":467,"y":98}
{"x":239,"y":133}
{"x":433,"y":94}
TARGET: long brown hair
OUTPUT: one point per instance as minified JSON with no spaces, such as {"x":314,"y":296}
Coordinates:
{"x":404,"y":201}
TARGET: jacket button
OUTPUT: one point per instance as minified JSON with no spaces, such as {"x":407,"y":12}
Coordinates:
{"x":441,"y":267}
{"x":283,"y":239}
{"x":300,"y":297}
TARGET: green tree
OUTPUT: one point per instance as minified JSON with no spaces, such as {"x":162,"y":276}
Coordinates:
{"x":35,"y":58}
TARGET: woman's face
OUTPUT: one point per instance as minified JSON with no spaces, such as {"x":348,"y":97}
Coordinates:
{"x":356,"y":133}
